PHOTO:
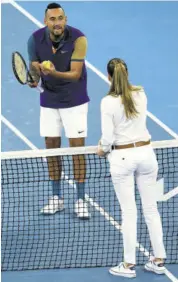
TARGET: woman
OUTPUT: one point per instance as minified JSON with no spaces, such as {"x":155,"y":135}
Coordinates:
{"x":123,"y":118}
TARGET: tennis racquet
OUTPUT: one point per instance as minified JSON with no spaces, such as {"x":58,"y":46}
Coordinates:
{"x":21,"y":70}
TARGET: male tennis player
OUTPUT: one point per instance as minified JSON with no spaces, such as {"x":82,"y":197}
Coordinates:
{"x":64,"y":101}
{"x":123,"y":116}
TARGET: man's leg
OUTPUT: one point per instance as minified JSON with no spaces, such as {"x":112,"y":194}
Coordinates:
{"x":79,"y":167}
{"x":54,"y":165}
{"x":75,"y":124}
{"x":50,"y":125}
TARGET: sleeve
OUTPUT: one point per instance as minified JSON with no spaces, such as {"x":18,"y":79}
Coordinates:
{"x":32,"y":50}
{"x":80,"y":49}
{"x":107,"y":125}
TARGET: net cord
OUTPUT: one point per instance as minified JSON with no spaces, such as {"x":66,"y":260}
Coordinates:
{"x":43,"y":153}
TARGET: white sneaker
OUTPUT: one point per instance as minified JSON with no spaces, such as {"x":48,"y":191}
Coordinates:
{"x":121,"y":270}
{"x":156,"y":267}
{"x":81,"y":209}
{"x":55,"y":204}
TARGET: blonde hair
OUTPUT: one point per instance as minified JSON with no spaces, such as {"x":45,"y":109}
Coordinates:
{"x":120,"y":85}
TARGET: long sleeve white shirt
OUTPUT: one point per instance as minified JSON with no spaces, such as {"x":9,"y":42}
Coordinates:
{"x":116,"y":128}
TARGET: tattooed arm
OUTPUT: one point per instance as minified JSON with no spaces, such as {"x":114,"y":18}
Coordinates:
{"x":34,"y":63}
{"x":35,"y":73}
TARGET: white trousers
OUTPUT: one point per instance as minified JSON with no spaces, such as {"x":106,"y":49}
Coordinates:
{"x":142,"y":162}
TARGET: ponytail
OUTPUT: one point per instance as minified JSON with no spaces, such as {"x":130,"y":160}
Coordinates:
{"x":121,"y":86}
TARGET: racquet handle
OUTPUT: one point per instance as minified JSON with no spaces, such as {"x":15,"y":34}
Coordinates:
{"x":40,"y":89}
{"x":30,"y":78}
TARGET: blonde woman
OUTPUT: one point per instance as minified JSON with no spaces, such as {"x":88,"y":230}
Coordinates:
{"x":126,"y":137}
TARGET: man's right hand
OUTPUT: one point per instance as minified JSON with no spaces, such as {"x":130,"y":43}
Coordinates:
{"x":35,"y":73}
{"x":33,"y":84}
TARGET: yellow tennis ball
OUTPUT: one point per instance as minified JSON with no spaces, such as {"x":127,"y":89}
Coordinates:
{"x":46,"y":64}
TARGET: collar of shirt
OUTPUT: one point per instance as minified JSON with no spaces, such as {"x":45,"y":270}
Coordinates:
{"x":46,"y":37}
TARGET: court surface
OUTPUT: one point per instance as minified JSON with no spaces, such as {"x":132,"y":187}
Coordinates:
{"x":144,"y":34}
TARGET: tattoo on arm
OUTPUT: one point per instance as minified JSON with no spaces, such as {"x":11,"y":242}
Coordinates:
{"x":35,"y":72}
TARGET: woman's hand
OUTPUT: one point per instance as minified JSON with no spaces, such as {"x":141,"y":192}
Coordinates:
{"x":100,"y":152}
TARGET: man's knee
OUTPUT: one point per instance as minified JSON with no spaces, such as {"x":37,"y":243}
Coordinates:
{"x":53,"y":142}
{"x":77,"y":142}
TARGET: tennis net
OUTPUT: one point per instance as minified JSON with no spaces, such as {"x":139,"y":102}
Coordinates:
{"x":31,"y":240}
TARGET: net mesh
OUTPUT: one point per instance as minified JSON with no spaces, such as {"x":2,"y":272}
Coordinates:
{"x":31,"y":240}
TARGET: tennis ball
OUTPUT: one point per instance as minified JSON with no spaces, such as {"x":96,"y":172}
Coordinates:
{"x":46,"y":64}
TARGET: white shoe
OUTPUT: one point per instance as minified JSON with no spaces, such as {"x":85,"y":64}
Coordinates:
{"x":156,"y":267}
{"x":55,"y":204}
{"x":81,"y":209}
{"x":121,"y":270}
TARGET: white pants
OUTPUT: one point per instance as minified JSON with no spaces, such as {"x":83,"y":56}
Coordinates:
{"x":74,"y":121}
{"x":123,"y":164}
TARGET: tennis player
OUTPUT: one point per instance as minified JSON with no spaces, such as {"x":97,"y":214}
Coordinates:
{"x":64,"y":102}
{"x":126,"y":138}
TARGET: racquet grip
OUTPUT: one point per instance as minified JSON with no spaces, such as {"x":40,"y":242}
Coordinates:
{"x":30,"y":78}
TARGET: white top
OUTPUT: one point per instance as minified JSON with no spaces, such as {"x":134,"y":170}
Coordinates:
{"x":116,"y":128}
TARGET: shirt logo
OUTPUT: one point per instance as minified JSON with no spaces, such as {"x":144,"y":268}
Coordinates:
{"x":63,"y":52}
{"x":80,"y":131}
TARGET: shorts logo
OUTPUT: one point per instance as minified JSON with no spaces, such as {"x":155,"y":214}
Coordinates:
{"x":63,"y":52}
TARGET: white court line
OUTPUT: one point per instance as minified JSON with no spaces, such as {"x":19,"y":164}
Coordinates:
{"x":170,"y":276}
{"x":90,"y":200}
{"x":94,"y":69}
{"x":169,"y":195}
{"x":114,"y":223}
{"x":18,"y":133}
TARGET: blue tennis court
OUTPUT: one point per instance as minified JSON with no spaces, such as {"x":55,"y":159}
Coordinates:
{"x":144,"y":34}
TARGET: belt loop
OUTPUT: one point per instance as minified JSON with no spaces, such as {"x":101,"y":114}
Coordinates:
{"x":135,"y":145}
